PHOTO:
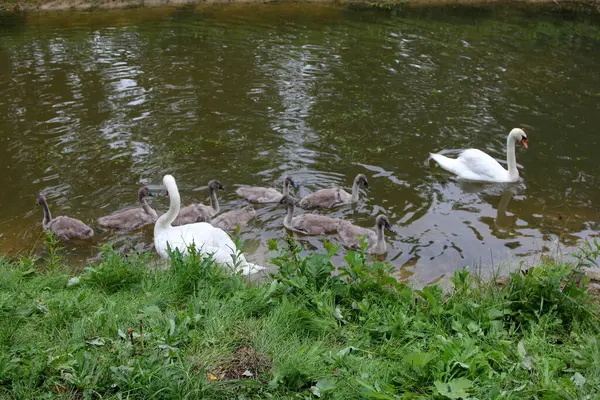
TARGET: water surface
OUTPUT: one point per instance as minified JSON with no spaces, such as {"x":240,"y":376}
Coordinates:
{"x":96,"y":104}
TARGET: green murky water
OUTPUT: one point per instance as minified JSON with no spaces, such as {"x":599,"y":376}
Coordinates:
{"x":95,"y":104}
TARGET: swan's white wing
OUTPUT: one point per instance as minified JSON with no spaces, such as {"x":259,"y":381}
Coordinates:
{"x":214,"y":240}
{"x":220,"y":255}
{"x":208,"y":240}
{"x":219,"y":238}
{"x":231,"y":261}
{"x":479,"y":166}
{"x":181,"y":237}
{"x":449,"y":164}
{"x":198,"y":233}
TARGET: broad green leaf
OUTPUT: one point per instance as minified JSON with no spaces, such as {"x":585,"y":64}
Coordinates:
{"x":418,"y":360}
{"x":30,"y":271}
{"x":316,"y":391}
{"x":528,"y":363}
{"x":454,"y":389}
{"x":326,"y":385}
{"x":96,"y":342}
{"x":152,"y":309}
{"x":345,"y":351}
{"x":171,"y":326}
{"x":521,"y":349}
{"x":473,"y":327}
{"x":578,"y":379}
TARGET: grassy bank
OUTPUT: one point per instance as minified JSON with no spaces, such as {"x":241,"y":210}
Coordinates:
{"x":192,"y":331}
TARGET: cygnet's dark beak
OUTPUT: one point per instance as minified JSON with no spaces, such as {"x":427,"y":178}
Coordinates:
{"x":389,"y":227}
{"x":367,"y":186}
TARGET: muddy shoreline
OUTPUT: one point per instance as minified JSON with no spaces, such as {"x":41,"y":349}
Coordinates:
{"x":90,"y":5}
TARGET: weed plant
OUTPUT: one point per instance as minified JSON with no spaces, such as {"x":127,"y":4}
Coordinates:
{"x":128,"y":330}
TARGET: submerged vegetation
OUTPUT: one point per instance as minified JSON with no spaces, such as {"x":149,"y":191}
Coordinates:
{"x":127,"y":330}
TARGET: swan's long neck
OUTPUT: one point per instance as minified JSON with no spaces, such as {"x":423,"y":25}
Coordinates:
{"x":355,"y":191}
{"x":47,"y":215}
{"x":504,"y":200}
{"x":290,"y":214}
{"x":167,"y":218}
{"x":214,"y":202}
{"x":380,"y":245}
{"x":511,"y":159}
{"x":502,"y":220}
{"x":286,"y":188}
{"x":149,"y":210}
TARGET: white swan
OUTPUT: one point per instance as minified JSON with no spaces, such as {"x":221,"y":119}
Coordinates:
{"x":475,"y":165}
{"x":207,"y":239}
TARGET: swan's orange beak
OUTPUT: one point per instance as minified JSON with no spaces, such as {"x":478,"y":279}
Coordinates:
{"x":524,"y":143}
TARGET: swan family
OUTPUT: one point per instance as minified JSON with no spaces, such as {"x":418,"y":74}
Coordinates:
{"x":205,"y":227}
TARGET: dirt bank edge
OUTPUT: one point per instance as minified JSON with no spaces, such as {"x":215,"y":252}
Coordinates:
{"x":57,"y":5}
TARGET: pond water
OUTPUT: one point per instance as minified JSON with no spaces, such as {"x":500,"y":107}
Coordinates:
{"x":96,"y":104}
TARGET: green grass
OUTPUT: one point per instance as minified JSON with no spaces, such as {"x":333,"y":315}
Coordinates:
{"x":130,"y":331}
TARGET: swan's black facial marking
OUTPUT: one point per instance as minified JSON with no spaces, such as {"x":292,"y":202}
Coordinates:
{"x":291,"y":182}
{"x":383,"y":221}
{"x":216,"y":185}
{"x":523,"y":139}
{"x":144,"y":192}
{"x":363,"y":179}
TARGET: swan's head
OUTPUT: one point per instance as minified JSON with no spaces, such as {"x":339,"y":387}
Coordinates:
{"x":520,"y":136}
{"x":170,"y":185}
{"x":287,"y":200}
{"x":215,"y":184}
{"x":143,"y":193}
{"x":361,"y":179}
{"x":41,"y":199}
{"x":382,"y":221}
{"x":289,"y":181}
